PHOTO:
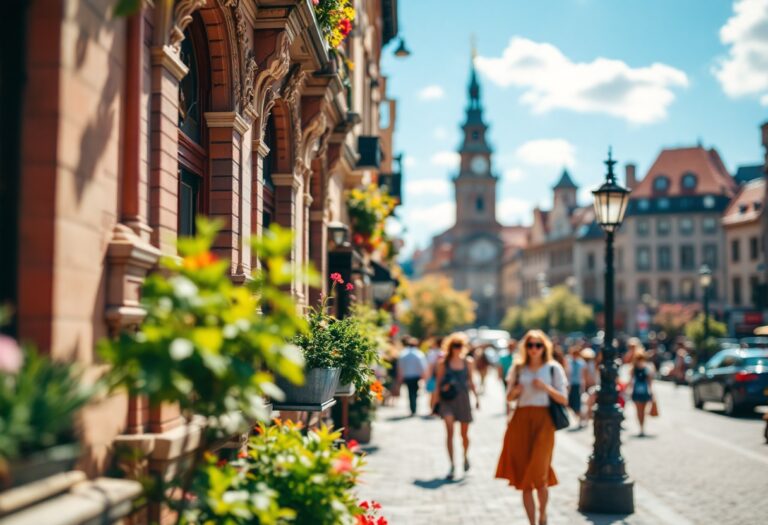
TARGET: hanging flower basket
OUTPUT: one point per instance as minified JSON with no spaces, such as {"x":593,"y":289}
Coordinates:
{"x":319,"y":386}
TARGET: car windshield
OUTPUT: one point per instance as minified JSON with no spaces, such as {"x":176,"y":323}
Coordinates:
{"x":756,"y":361}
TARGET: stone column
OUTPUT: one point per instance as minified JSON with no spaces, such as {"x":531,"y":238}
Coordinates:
{"x":230,"y":191}
{"x":288,"y":214}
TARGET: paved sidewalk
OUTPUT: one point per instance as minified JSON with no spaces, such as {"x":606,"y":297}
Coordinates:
{"x":407,"y":463}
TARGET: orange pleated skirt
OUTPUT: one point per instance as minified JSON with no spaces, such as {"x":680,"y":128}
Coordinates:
{"x":526,"y":456}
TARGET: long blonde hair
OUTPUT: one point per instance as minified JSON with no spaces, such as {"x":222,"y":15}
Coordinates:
{"x":454,"y":338}
{"x":522,"y":352}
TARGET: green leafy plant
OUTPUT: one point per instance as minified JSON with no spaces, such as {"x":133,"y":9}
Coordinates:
{"x":561,"y":310}
{"x":39,"y":398}
{"x":705,"y":347}
{"x":310,"y":475}
{"x":335,"y":19}
{"x":207,"y":344}
{"x":339,"y":343}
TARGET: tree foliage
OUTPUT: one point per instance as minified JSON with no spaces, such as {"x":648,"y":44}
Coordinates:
{"x":694,"y":331}
{"x":561,"y":310}
{"x":434,"y":307}
{"x":672,"y":318}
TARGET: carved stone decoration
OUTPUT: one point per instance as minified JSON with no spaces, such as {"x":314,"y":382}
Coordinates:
{"x":237,"y":39}
{"x":311,"y":137}
{"x":182,"y":17}
{"x":247,"y":101}
{"x":274,"y":68}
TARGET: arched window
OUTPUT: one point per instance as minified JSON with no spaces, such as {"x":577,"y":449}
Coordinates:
{"x":192,"y":134}
{"x":661,"y":184}
{"x":689,"y":181}
{"x":267,"y":168}
{"x":480,"y":204}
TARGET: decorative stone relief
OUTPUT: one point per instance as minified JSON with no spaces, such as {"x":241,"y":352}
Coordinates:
{"x":275,"y":68}
{"x":182,"y":17}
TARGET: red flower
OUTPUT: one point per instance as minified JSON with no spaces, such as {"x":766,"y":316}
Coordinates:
{"x":221,"y":463}
{"x":382,"y":521}
{"x":345,"y":26}
{"x":242,"y":454}
{"x":354,"y":446}
{"x":364,"y":505}
{"x":350,"y":287}
{"x":343,"y":464}
{"x":376,"y":505}
{"x":336,"y":277}
{"x":358,"y":239}
{"x":393,"y":330}
{"x":315,"y":2}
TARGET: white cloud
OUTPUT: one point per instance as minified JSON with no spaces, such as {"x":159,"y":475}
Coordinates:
{"x":433,"y":187}
{"x":743,"y":71}
{"x":410,"y":161}
{"x":513,"y":175}
{"x":432,"y":92}
{"x":555,"y":153}
{"x":553,"y":81}
{"x":514,"y":210}
{"x":446,"y":159}
{"x":423,"y":222}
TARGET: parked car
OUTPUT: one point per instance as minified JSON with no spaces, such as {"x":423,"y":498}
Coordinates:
{"x":737,"y":378}
{"x":754,"y":342}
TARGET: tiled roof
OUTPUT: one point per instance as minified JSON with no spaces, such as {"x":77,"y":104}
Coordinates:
{"x":748,"y":204}
{"x":748,"y":173}
{"x":515,"y":236}
{"x":565,"y":182}
{"x":705,"y":164}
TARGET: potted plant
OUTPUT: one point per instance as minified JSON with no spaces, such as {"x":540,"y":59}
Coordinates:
{"x":368,"y":208}
{"x":39,"y":398}
{"x":337,"y":344}
{"x":334,"y":17}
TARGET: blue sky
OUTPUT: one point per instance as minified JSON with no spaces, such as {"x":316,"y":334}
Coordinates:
{"x":563,"y":79}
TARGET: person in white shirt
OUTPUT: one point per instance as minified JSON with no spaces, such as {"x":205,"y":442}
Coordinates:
{"x":535,"y":381}
{"x":411,"y":367}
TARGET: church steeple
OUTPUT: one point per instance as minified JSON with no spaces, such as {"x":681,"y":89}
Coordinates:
{"x":475,"y":184}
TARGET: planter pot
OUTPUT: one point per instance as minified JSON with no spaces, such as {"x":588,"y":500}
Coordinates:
{"x":40,"y":465}
{"x":347,"y":390}
{"x":362,"y":434}
{"x":319,"y":386}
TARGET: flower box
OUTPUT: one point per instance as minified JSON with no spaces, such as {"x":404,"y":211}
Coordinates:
{"x":347,"y":390}
{"x":319,"y":387}
{"x":40,"y":465}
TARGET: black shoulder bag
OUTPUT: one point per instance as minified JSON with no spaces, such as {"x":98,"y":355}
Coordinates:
{"x":557,"y":411}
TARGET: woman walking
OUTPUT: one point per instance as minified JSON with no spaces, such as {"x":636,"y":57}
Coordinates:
{"x":450,"y":399}
{"x":535,"y":382}
{"x":640,"y":384}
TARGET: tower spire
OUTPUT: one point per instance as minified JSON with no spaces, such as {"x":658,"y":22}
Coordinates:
{"x":474,"y":85}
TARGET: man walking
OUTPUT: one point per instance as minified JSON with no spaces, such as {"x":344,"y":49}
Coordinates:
{"x":410,"y":369}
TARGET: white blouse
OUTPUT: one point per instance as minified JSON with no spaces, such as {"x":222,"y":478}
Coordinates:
{"x":551,"y":373}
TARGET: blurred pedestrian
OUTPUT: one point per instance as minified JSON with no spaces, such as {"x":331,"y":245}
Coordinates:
{"x":632,"y":345}
{"x":482,"y":364}
{"x":641,"y":386}
{"x":451,"y":398}
{"x":411,"y":368}
{"x":589,"y":381}
{"x":681,"y":363}
{"x":576,"y":365}
{"x":506,"y":358}
{"x":535,"y":381}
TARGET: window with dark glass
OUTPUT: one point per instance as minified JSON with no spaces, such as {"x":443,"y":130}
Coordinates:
{"x":686,"y":226}
{"x":687,"y":257}
{"x":664,"y":254}
{"x":710,"y":255}
{"x":643,"y":288}
{"x":735,"y":250}
{"x":754,"y":248}
{"x":688,"y":182}
{"x":661,"y":184}
{"x":713,"y":293}
{"x":590,"y":261}
{"x":189,"y":194}
{"x":189,"y":91}
{"x":480,"y":204}
{"x":754,"y":290}
{"x":736,"y":290}
{"x":643,"y":258}
{"x":663,"y":226}
{"x":475,"y":135}
{"x":642,"y":228}
{"x":709,"y":225}
{"x":267,"y":169}
{"x":663,"y":203}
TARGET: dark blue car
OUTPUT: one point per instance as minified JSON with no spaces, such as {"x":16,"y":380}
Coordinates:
{"x":737,"y":378}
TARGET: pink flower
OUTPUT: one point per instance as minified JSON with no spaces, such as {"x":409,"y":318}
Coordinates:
{"x":11,"y":357}
{"x":315,"y":2}
{"x":350,"y":287}
{"x":336,"y":277}
{"x":343,"y":464}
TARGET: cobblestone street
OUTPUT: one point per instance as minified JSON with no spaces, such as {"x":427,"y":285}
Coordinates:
{"x":678,"y":471}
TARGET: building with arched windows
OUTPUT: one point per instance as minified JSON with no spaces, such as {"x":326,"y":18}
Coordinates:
{"x":122,"y":129}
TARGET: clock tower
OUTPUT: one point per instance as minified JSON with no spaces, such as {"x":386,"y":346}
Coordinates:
{"x":475,"y":185}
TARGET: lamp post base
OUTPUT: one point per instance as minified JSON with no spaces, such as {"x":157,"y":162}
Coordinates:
{"x":606,"y":496}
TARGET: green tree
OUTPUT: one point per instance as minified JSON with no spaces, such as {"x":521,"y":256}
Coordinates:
{"x":694,"y":331}
{"x":561,"y":310}
{"x":434,"y":307}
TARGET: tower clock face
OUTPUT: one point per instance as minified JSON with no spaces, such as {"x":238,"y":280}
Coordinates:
{"x":482,"y":251}
{"x":479,"y":164}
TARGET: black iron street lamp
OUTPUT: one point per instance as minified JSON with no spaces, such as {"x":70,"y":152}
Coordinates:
{"x":606,"y":488}
{"x":705,"y":280}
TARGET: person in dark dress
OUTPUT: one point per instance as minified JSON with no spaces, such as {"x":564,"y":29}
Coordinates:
{"x":451,"y":397}
{"x":640,"y":383}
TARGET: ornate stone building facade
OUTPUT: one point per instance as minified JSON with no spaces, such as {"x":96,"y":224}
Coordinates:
{"x":130,"y":127}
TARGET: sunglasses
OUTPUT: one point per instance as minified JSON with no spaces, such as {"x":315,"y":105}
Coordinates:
{"x":457,"y":345}
{"x":534,"y":345}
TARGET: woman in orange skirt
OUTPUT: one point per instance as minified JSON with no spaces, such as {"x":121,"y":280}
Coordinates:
{"x":535,"y":381}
